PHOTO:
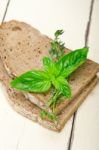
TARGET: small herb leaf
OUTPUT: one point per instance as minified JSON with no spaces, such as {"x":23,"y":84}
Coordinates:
{"x":58,"y":33}
{"x":49,"y":65}
{"x":46,"y":115}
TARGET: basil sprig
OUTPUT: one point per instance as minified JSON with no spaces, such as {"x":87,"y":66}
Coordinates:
{"x":53,"y":74}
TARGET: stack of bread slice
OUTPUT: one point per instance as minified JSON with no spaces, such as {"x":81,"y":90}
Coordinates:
{"x":22,"y":48}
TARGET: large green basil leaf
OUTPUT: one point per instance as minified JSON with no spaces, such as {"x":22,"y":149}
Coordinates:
{"x":70,"y":62}
{"x":62,"y":85}
{"x":32,"y":81}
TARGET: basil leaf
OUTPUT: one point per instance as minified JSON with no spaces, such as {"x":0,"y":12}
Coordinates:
{"x":70,"y":62}
{"x":50,"y":67}
{"x":63,"y":86}
{"x":32,"y":81}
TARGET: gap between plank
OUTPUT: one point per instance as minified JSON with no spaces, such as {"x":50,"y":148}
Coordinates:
{"x":72,"y":132}
{"x":5,"y":12}
{"x":87,"y":33}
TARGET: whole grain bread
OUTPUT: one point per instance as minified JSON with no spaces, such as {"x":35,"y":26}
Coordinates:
{"x":22,"y":48}
{"x":24,"y":107}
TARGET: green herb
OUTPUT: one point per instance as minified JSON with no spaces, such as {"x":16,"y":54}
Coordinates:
{"x":32,"y":81}
{"x":54,"y":73}
{"x":54,"y":99}
{"x":47,"y":115}
{"x":70,"y":62}
{"x":65,"y":66}
{"x":56,"y":51}
{"x":57,"y":46}
{"x":41,"y":81}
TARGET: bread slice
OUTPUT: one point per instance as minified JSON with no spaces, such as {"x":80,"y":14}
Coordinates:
{"x":22,"y":48}
{"x":24,"y":107}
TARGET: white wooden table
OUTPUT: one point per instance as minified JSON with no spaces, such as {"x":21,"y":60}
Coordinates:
{"x":82,"y":131}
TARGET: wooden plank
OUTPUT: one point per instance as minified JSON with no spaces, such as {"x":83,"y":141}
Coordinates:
{"x":94,"y":31}
{"x":87,"y":120}
{"x":86,"y":132}
{"x":47,"y":16}
{"x":11,"y":124}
